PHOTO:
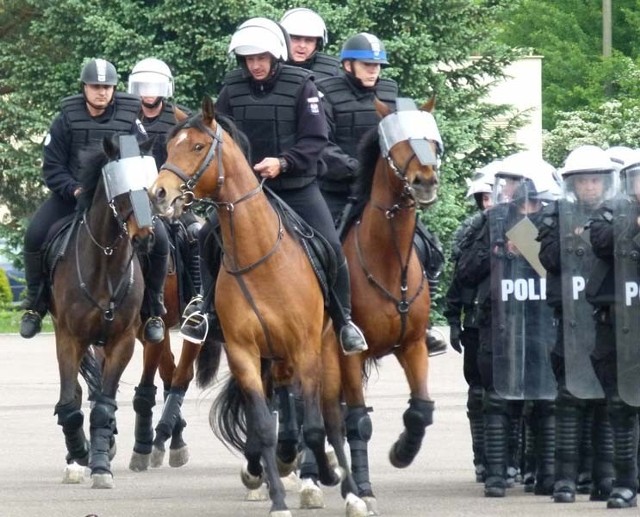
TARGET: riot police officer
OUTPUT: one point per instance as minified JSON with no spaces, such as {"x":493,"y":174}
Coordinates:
{"x":349,"y":102}
{"x":566,"y":254}
{"x":501,"y":264}
{"x":460,"y":311}
{"x":308,"y":34}
{"x":277,"y":106}
{"x":614,"y":231}
{"x":84,"y":120}
{"x":151,"y":80}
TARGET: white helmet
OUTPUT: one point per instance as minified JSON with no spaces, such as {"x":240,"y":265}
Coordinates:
{"x":483,"y":179}
{"x":541,"y":181}
{"x":151,"y":77}
{"x":585,"y":159}
{"x":620,"y":155}
{"x":257,"y":36}
{"x":305,"y":22}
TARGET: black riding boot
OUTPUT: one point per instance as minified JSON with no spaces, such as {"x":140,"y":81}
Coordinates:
{"x":568,"y":424}
{"x":476,"y":423}
{"x":350,"y":336}
{"x":496,"y":428}
{"x":34,"y":303}
{"x":624,"y":422}
{"x":199,"y":317}
{"x":153,"y":308}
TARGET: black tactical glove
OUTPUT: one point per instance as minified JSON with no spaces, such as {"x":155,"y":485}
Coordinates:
{"x":454,"y":337}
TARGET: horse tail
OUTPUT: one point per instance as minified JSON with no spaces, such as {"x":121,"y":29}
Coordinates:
{"x":208,"y":363}
{"x":91,"y":371}
{"x":227,"y":417}
{"x":368,"y":367}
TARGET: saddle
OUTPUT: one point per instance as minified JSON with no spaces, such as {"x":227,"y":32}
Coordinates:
{"x":57,"y":241}
{"x":319,"y":252}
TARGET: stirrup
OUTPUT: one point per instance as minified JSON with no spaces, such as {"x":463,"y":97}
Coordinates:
{"x":436,"y":344}
{"x":351,"y":349}
{"x":192,"y":328}
{"x":193,"y":306}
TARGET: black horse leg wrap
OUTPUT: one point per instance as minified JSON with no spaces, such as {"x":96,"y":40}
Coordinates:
{"x":103,"y":427}
{"x":288,"y":425}
{"x":359,"y":431}
{"x":170,"y":414}
{"x":143,"y":403}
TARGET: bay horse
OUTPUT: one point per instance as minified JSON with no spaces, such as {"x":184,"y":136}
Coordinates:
{"x":389,"y":292}
{"x":269,"y":302}
{"x":96,"y":294}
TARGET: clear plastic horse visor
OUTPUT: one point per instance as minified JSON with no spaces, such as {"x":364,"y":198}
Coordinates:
{"x":415,"y":127}
{"x":129,"y":174}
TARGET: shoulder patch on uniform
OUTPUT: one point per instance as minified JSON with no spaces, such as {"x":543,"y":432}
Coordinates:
{"x":313,"y":105}
{"x":47,"y":139}
{"x":141,"y":127}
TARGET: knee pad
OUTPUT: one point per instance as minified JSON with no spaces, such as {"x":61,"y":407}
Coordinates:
{"x":103,"y":414}
{"x":620,"y":411}
{"x":72,"y":420}
{"x":358,"y":424}
{"x":474,"y":399}
{"x":493,"y":403}
{"x":419,"y":415}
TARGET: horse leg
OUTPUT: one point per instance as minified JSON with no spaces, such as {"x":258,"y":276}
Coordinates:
{"x":288,"y":430}
{"x":419,"y":415}
{"x":261,"y":441}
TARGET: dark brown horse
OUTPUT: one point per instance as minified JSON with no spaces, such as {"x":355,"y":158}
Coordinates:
{"x":390,"y":295}
{"x":269,"y":302}
{"x":96,"y":295}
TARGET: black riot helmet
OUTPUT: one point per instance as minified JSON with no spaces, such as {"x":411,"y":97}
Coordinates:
{"x":99,"y":71}
{"x":364,"y":47}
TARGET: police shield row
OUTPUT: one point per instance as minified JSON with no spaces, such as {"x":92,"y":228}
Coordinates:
{"x":544,"y":301}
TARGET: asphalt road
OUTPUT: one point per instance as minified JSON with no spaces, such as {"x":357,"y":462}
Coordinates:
{"x":439,"y":483}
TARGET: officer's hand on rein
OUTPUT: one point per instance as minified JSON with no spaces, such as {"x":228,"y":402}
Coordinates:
{"x":268,"y":168}
{"x":454,"y":338}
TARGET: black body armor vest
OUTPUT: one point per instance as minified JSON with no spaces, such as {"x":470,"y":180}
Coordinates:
{"x":353,"y":110}
{"x":85,"y":131}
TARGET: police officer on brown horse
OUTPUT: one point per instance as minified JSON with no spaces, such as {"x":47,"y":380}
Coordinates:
{"x":84,"y":120}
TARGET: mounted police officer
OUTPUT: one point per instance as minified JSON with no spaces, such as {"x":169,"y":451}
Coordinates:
{"x":566,"y":254}
{"x":151,"y":80}
{"x":85,"y":119}
{"x":612,"y":289}
{"x":278,"y":108}
{"x":502,"y":264}
{"x":349,"y":102}
{"x":308,"y":34}
{"x":461,"y":313}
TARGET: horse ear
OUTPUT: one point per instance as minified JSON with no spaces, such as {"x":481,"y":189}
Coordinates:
{"x":430,"y":105}
{"x":207,"y":110}
{"x":110,"y":147}
{"x":179,"y":114}
{"x":381,"y":108}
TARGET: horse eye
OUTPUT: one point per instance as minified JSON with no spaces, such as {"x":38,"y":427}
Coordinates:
{"x":198,"y":147}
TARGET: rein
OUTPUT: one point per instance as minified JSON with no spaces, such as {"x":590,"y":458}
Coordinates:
{"x":403,"y":304}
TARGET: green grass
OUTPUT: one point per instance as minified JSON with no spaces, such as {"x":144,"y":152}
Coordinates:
{"x":10,"y":321}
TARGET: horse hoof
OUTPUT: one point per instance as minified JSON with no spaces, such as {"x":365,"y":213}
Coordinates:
{"x":103,"y":480}
{"x":356,"y":507}
{"x":257,"y":494}
{"x":291,"y":482}
{"x":395,"y":461}
{"x":310,"y":495}
{"x":249,"y":480}
{"x":280,"y":513}
{"x":372,"y":505}
{"x":284,"y":469}
{"x":179,"y":457}
{"x":139,"y":462}
{"x":157,"y":457}
{"x":73,"y":474}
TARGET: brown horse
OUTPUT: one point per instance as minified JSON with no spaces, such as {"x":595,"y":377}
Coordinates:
{"x":390,"y":295}
{"x":96,"y":295}
{"x":269,"y":302}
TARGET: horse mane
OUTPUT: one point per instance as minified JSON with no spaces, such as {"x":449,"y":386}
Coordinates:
{"x":92,"y":159}
{"x":368,"y":154}
{"x":227,"y":124}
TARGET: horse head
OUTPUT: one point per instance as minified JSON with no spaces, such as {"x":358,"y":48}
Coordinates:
{"x":411,"y":145}
{"x":194,"y":163}
{"x":127,"y":173}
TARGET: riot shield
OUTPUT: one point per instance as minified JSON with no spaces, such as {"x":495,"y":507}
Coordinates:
{"x":578,"y":327}
{"x":627,"y":314}
{"x":522,"y":322}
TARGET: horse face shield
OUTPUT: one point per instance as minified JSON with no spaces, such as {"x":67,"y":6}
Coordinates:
{"x":132,"y":176}
{"x":420,"y":131}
